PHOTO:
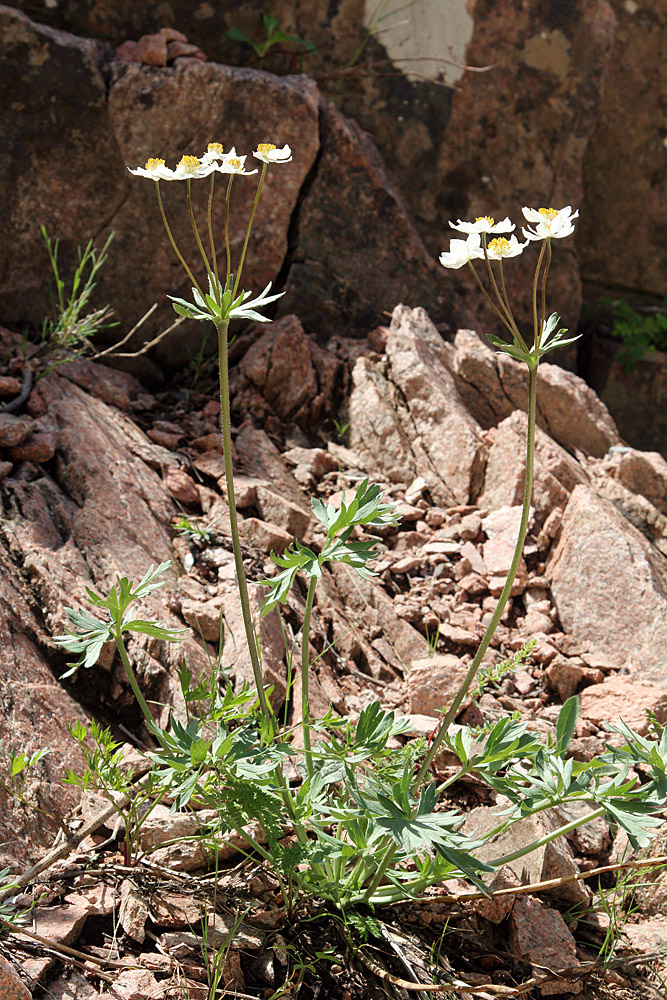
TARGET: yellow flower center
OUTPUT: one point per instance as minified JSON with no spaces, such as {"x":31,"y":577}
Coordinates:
{"x":499,"y":245}
{"x":234,"y":163}
{"x":215,"y":147}
{"x":153,"y":163}
{"x":265,"y":147}
{"x":189,"y":164}
{"x":486,"y":218}
{"x":548,"y":213}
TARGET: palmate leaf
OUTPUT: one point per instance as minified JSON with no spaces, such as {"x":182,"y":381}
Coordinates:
{"x":296,"y":557}
{"x":365,"y":509}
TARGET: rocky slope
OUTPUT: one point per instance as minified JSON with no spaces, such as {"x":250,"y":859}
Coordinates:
{"x":96,"y":470}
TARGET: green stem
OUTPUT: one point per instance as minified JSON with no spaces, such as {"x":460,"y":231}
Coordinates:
{"x":178,"y":253}
{"x":225,"y":422}
{"x":196,"y":232}
{"x":535,"y":280}
{"x":305,"y":700}
{"x":506,"y":309}
{"x":488,"y":298}
{"x":379,"y":875}
{"x":141,"y":701}
{"x":249,"y":227}
{"x":517,"y":334}
{"x":560,"y":832}
{"x":502,"y":600}
{"x":227,"y":249}
{"x":214,"y":256}
{"x":544,"y":287}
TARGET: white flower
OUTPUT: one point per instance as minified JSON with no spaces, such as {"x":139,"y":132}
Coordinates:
{"x":500,"y":247}
{"x":549,"y":222}
{"x":233,"y":164}
{"x":462,"y":252}
{"x":155,"y":170}
{"x":190,"y":168}
{"x":242,"y":309}
{"x":484,"y":224}
{"x":215,"y":152}
{"x":268,"y":153}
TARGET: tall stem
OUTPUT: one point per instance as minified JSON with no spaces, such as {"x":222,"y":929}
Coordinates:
{"x":227,"y":250}
{"x":536,"y":329}
{"x":195,"y":283}
{"x":544,"y":286}
{"x":305,"y":700}
{"x":141,"y":701}
{"x":502,"y":600}
{"x":249,"y":227}
{"x":504,"y":306}
{"x":197,"y":236}
{"x":225,"y":422}
{"x":560,"y":832}
{"x":488,"y":298}
{"x":517,"y":334}
{"x":214,"y":256}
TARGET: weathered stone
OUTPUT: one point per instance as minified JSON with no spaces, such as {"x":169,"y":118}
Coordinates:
{"x":368,"y":603}
{"x":235,"y":658}
{"x":11,"y":987}
{"x":114,"y":387}
{"x":152,"y":50}
{"x":264,"y":536}
{"x":502,"y":530}
{"x":451,"y":439}
{"x":629,"y":187}
{"x":639,"y":511}
{"x":626,"y":698}
{"x":40,"y":444}
{"x":316,"y":462}
{"x":567,"y":678}
{"x":279,"y":510}
{"x":136,"y":984}
{"x":9,"y":386}
{"x":643,"y":472}
{"x":599,"y":598}
{"x":493,"y":386}
{"x":556,"y":472}
{"x":14,"y":430}
{"x":133,"y":910}
{"x":62,"y":924}
{"x":203,"y":617}
{"x":538,"y":934}
{"x":350,"y":206}
{"x":553,"y":860}
{"x":414,"y":408}
{"x":181,"y":486}
{"x":71,"y":193}
{"x":433,"y":682}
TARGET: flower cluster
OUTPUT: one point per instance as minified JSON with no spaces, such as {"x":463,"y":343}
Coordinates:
{"x":214,"y":159}
{"x":548,"y":223}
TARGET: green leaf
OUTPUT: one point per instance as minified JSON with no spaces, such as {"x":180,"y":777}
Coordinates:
{"x":237,"y":35}
{"x":566,"y":724}
{"x":155,"y":629}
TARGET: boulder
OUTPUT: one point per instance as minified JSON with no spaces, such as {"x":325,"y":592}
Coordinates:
{"x":628,"y":188}
{"x":358,"y":253}
{"x":411,"y":403}
{"x":555,"y":476}
{"x":610,"y":585}
{"x":493,"y":385}
{"x":299,"y":380}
